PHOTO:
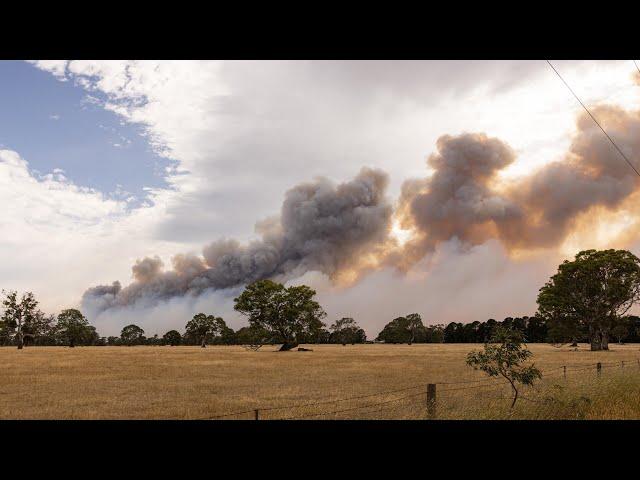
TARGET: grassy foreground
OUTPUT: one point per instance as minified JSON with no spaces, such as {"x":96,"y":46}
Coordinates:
{"x":389,"y":381}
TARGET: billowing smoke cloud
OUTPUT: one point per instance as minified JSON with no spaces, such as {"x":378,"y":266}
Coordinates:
{"x":322,"y":227}
{"x":464,"y":199}
{"x":338,"y":229}
{"x":457,"y":200}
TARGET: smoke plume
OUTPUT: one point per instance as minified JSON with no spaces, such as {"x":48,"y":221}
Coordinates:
{"x":322,"y":227}
{"x":343,"y":230}
{"x":464,"y":199}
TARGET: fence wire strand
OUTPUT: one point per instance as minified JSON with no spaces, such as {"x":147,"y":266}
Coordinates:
{"x":491,"y":382}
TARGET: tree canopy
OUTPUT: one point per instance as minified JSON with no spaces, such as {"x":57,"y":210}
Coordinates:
{"x":288,"y":314}
{"x":591,"y":293}
{"x":406,"y":329}
{"x":204,"y":327}
{"x":346,"y":330}
{"x":505,"y":357}
{"x":132,"y":335}
{"x":73,"y":328}
{"x":19,"y":314}
{"x":172,"y":337}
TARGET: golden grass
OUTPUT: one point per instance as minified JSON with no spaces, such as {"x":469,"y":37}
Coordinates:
{"x":195,"y":383}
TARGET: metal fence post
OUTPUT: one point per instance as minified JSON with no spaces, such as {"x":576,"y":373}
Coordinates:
{"x":257,"y":413}
{"x":565,"y":372}
{"x":431,"y":400}
{"x":599,"y":368}
{"x":622,"y":365}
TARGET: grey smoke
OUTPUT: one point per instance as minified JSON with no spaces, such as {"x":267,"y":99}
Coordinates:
{"x":322,"y":227}
{"x":460,"y":200}
{"x":457,"y":200}
{"x":327,"y":228}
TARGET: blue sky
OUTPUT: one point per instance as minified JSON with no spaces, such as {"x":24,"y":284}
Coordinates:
{"x":52,"y":125}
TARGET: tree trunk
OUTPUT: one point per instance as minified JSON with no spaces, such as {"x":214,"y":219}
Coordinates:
{"x":604,"y":340}
{"x":515,"y":391}
{"x":286,"y":346}
{"x":595,"y":338}
{"x":204,"y":342}
{"x":72,"y":343}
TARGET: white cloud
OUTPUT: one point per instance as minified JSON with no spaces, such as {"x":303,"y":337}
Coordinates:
{"x":58,"y":237}
{"x":233,"y":125}
{"x":56,"y":67}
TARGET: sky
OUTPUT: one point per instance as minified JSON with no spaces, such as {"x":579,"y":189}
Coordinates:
{"x":105,"y":163}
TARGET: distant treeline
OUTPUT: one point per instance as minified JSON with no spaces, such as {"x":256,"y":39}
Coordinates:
{"x":281,"y":315}
{"x":71,"y":328}
{"x":533,"y":329}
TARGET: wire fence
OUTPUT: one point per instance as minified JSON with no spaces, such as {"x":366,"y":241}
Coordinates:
{"x":425,"y":400}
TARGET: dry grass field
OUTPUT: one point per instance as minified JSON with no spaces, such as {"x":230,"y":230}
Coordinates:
{"x":389,"y":381}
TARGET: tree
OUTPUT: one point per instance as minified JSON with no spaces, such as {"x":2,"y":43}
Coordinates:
{"x":224,"y":334}
{"x":634,"y":328}
{"x":536,"y":330}
{"x":592,"y":291}
{"x":434,"y":334}
{"x":413,"y":325}
{"x":18,"y":314}
{"x":453,"y":333}
{"x":346,"y":330}
{"x":73,"y":328}
{"x":288,"y":314}
{"x":394,"y":332}
{"x":565,"y":330}
{"x":42,"y":330}
{"x":172,"y":337}
{"x":403,"y":330}
{"x":621,"y":329}
{"x":252,"y":337}
{"x":132,"y":335}
{"x":203,"y":326}
{"x":504,"y":357}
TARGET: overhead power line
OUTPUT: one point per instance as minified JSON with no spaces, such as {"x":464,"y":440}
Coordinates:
{"x":637,"y":68}
{"x":594,"y":119}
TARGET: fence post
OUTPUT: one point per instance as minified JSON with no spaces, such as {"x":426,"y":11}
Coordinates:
{"x":257,"y":413}
{"x":599,"y":368}
{"x":565,"y":372}
{"x":431,"y":400}
{"x":622,"y":365}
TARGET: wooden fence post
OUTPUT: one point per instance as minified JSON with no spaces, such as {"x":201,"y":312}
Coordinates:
{"x":431,"y":400}
{"x":257,"y":413}
{"x":565,"y":372}
{"x":599,"y":368}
